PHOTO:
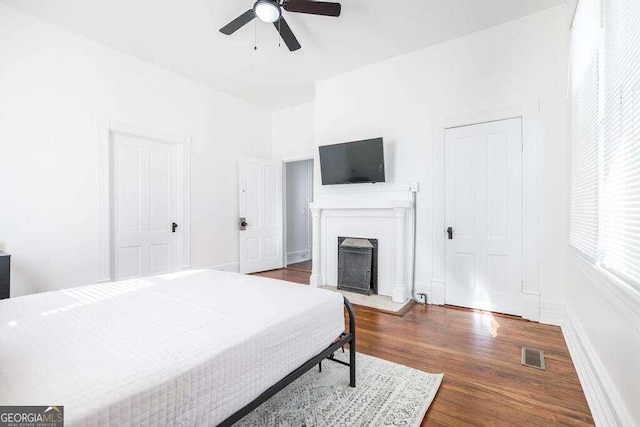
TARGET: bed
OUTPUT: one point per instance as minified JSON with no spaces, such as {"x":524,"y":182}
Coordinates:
{"x":199,"y":347}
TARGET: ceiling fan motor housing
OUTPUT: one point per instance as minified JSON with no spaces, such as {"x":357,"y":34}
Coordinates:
{"x":267,"y":10}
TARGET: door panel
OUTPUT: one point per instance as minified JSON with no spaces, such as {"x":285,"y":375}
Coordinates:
{"x":253,"y":248}
{"x":465,"y":186}
{"x":129,"y":262}
{"x":497,"y":188}
{"x":159,"y":258}
{"x":159,"y":190}
{"x":483,"y":205}
{"x":145,"y":204}
{"x":261,"y":206}
{"x":465,"y":271}
{"x":253,"y":194}
{"x":271,"y":200}
{"x":129,"y":188}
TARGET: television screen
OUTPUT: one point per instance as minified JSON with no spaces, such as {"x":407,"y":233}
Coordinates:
{"x":352,"y":162}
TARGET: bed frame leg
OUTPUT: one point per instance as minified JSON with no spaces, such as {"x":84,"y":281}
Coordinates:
{"x":352,"y":343}
{"x":352,"y":363}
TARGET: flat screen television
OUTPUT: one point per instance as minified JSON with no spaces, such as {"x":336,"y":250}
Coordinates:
{"x":352,"y":162}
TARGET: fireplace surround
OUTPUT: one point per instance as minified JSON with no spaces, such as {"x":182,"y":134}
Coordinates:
{"x":377,"y":218}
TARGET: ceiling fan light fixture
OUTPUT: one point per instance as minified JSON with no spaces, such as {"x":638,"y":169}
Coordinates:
{"x":267,"y":11}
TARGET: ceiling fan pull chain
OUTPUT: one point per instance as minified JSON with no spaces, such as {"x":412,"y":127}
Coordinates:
{"x":279,"y":33}
{"x":255,"y":35}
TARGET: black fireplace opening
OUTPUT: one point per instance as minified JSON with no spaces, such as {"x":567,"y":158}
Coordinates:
{"x":358,"y":265}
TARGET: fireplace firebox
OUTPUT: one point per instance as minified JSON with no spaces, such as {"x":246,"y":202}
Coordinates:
{"x":358,"y":265}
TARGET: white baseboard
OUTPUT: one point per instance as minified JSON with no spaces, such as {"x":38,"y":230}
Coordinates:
{"x":434,"y":292}
{"x":598,"y":388}
{"x":530,"y":304}
{"x":437,"y":293}
{"x":423,"y":288}
{"x":298,"y":256}
{"x":552,"y":313}
{"x":232,"y":266}
{"x":316,"y":281}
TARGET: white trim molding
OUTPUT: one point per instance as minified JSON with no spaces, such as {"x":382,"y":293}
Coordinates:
{"x":298,"y":156}
{"x":106,"y":129}
{"x":530,"y":305}
{"x":600,"y":392}
{"x":491,"y":114}
{"x":552,"y":313}
{"x":529,"y":111}
{"x":316,"y":279}
{"x":400,"y":284}
{"x":435,"y":293}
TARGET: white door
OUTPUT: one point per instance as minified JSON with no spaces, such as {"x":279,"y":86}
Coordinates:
{"x":483,"y":207}
{"x":261,"y":211}
{"x":144,"y":182}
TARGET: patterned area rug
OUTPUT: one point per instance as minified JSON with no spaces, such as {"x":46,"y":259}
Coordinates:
{"x":387,"y":394}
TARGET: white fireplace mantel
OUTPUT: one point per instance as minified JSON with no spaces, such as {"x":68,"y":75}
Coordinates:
{"x":363,"y":204}
{"x":387,"y":218}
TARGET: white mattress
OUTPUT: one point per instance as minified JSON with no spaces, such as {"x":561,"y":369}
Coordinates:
{"x":188,"y":348}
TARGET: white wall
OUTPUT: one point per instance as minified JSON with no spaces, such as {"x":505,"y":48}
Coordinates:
{"x":515,"y":62}
{"x":299,"y":176}
{"x":54,"y":87}
{"x":293,"y":132}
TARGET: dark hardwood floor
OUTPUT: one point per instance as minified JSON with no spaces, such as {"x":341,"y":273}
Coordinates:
{"x":479,"y":354}
{"x":296,"y":276}
{"x":301,"y":266}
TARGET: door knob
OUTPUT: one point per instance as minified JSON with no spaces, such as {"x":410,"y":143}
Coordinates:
{"x":243,"y":223}
{"x":450,"y":232}
{"x":173,"y":227}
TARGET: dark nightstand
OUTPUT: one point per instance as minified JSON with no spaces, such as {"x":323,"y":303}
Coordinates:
{"x":5,"y":271}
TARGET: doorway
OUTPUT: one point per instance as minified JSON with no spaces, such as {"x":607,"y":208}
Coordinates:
{"x":146,"y":215}
{"x":484,"y":216}
{"x":298,"y":232}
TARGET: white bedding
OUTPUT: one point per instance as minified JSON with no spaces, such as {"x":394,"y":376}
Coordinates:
{"x":188,"y":348}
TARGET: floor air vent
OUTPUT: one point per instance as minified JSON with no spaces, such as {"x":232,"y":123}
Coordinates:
{"x":533,"y":358}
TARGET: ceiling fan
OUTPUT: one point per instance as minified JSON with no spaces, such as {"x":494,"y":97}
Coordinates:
{"x":270,"y":11}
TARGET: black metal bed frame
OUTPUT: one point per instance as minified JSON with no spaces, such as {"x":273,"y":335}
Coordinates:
{"x":347,"y":337}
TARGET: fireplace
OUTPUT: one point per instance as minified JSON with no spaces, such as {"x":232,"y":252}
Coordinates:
{"x":358,"y":265}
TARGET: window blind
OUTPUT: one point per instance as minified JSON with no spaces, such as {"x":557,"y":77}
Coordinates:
{"x":584,"y":86}
{"x":620,"y":234}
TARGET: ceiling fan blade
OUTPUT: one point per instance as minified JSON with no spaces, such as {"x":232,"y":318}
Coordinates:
{"x":237,"y":23}
{"x":313,"y":7}
{"x":287,"y":35}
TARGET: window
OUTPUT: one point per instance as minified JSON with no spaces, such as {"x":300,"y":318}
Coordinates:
{"x":605,"y":113}
{"x":621,"y":139}
{"x":585,"y":128}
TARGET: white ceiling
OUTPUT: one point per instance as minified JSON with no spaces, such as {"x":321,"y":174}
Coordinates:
{"x":183,"y":36}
